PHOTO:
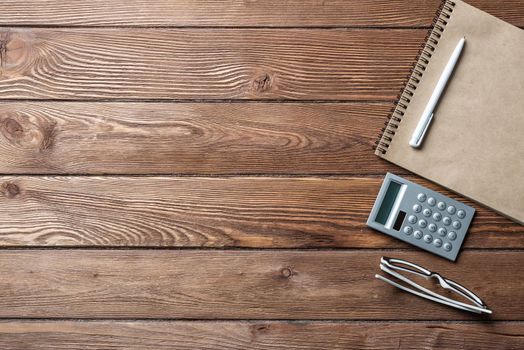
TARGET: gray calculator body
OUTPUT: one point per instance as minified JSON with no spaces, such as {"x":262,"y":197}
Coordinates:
{"x":420,"y":216}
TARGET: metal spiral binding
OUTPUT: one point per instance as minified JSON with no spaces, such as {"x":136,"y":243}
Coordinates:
{"x":415,"y":75}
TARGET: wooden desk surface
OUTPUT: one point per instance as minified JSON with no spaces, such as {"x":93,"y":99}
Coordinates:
{"x":197,"y":175}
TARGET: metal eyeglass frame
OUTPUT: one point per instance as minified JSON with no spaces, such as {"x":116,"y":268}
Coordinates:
{"x":388,"y":265}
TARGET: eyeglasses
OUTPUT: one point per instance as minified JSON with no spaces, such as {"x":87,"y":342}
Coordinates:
{"x":389,"y":265}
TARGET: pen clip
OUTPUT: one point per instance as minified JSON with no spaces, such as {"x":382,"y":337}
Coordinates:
{"x":416,"y":142}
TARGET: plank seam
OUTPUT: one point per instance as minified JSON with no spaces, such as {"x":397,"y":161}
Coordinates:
{"x":203,"y":175}
{"x":240,"y":249}
{"x":255,"y":320}
{"x":276,"y":27}
{"x":218,"y":101}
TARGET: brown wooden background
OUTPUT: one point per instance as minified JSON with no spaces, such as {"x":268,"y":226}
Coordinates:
{"x":197,"y":175}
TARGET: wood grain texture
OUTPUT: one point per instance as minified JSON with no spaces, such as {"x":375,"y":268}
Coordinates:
{"x":196,"y":284}
{"x":238,"y":13}
{"x":254,"y":212}
{"x":191,"y":138}
{"x":259,"y":335}
{"x":314,"y":52}
{"x":200,"y":64}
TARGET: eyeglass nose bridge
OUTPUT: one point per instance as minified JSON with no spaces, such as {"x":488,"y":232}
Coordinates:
{"x":441,"y":280}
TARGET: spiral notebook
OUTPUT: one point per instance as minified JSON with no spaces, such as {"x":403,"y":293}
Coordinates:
{"x":475,"y":144}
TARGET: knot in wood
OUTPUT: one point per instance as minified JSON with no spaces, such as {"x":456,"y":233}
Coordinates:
{"x":262,"y":83}
{"x":257,"y":329}
{"x":16,"y":52}
{"x":12,"y":128}
{"x":22,"y":131}
{"x":10,"y":189}
{"x":286,"y":272}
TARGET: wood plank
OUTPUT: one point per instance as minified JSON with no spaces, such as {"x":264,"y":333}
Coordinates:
{"x":191,"y":138}
{"x":125,"y":63}
{"x":259,"y":335}
{"x":196,"y":284}
{"x":254,"y":212}
{"x":379,"y":13}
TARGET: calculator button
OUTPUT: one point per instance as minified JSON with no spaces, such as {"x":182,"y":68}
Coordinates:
{"x":446,"y":220}
{"x":417,"y":234}
{"x":408,"y":230}
{"x":451,"y":209}
{"x":441,"y":205}
{"x":417,"y":208}
{"x":432,"y":201}
{"x":456,"y":225}
{"x":447,"y":246}
{"x":426,"y":212}
{"x":437,"y":216}
{"x":437,"y":242}
{"x":421,"y":197}
{"x":461,"y":214}
{"x":422,"y":223}
{"x":412,"y":219}
{"x":452,"y":235}
{"x":432,"y":227}
{"x":428,"y":238}
{"x":442,"y":231}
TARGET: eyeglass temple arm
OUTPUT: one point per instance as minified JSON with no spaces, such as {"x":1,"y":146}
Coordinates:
{"x":428,"y":294}
{"x":460,"y":289}
{"x":389,"y":262}
{"x":429,"y":297}
{"x":444,"y":282}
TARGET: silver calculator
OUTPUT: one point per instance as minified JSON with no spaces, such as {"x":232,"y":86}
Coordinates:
{"x":420,"y":216}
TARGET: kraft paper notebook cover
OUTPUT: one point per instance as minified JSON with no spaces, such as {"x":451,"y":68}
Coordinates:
{"x":475,"y":143}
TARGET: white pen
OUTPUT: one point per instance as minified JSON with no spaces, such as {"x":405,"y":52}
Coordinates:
{"x":427,"y":115}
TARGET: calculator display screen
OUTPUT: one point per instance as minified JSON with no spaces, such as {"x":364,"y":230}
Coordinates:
{"x":387,"y":202}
